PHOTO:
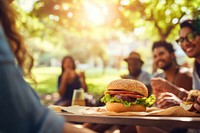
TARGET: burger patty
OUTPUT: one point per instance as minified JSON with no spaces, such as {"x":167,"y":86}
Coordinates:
{"x":124,"y":97}
{"x":125,"y":93}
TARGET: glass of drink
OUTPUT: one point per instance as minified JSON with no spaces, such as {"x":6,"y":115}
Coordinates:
{"x":78,"y":97}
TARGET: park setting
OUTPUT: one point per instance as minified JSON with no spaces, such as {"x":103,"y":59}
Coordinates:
{"x":98,"y":35}
{"x":106,"y":66}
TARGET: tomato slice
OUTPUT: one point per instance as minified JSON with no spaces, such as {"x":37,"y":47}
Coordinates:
{"x":127,"y":93}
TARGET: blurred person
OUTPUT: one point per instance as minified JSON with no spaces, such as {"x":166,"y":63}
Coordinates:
{"x":164,"y":58}
{"x":135,"y":64}
{"x":189,"y":41}
{"x":68,"y":81}
{"x":21,"y":110}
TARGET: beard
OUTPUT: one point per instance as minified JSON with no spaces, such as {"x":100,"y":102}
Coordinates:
{"x":135,"y":73}
{"x":167,"y":66}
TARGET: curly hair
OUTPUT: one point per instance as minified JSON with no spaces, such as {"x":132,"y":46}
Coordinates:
{"x":192,"y":24}
{"x":166,"y":45}
{"x":16,"y":42}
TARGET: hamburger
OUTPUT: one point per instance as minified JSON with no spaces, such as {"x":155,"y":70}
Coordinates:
{"x":127,"y":95}
{"x":191,"y":99}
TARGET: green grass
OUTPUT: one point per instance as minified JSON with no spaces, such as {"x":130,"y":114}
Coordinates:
{"x":96,"y":80}
{"x":46,"y":78}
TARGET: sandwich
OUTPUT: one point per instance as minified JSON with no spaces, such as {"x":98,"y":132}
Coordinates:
{"x":191,"y":99}
{"x":124,"y":95}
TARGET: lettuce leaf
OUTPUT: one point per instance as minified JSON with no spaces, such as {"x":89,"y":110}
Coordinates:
{"x":141,"y":101}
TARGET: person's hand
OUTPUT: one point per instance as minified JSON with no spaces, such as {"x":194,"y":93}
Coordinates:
{"x":197,"y":104}
{"x":64,"y":81}
{"x":167,"y":99}
{"x":67,"y":75}
{"x":82,"y":75}
{"x":160,"y":85}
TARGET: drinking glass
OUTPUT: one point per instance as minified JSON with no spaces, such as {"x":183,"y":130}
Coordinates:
{"x":78,"y":97}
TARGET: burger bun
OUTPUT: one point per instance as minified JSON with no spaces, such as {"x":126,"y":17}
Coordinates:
{"x":129,"y":85}
{"x":119,"y":107}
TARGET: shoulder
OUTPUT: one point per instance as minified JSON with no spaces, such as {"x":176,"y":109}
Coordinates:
{"x":144,"y":73}
{"x":183,"y":71}
{"x":5,"y":50}
{"x":59,"y":77}
{"x":184,"y":75}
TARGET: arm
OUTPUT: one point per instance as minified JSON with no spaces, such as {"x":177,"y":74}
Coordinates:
{"x":167,"y":99}
{"x":160,"y":85}
{"x":82,"y":79}
{"x":184,"y":80}
{"x":64,"y":80}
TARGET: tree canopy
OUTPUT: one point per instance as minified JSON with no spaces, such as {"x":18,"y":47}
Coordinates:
{"x":88,"y":26}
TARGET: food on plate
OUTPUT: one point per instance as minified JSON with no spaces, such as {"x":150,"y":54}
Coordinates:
{"x":191,"y":99}
{"x":127,"y":95}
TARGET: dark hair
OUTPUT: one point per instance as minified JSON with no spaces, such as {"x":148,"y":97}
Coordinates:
{"x":192,"y":24}
{"x":166,"y":45}
{"x":72,"y":60}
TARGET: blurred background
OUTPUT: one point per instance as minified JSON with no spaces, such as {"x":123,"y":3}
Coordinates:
{"x":99,"y":34}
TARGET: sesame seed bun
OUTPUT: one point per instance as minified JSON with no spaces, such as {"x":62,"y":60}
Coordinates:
{"x":128,"y":85}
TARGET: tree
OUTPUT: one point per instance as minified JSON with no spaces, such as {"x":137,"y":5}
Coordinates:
{"x":163,"y":15}
{"x":82,"y":24}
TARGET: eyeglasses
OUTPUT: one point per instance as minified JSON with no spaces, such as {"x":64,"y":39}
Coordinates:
{"x":189,"y":38}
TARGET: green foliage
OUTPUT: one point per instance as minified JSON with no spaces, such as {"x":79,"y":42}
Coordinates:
{"x":97,"y":81}
{"x":162,"y":16}
{"x":55,"y":28}
{"x":46,"y":79}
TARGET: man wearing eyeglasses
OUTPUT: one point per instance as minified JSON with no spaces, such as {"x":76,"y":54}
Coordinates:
{"x":190,"y":43}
